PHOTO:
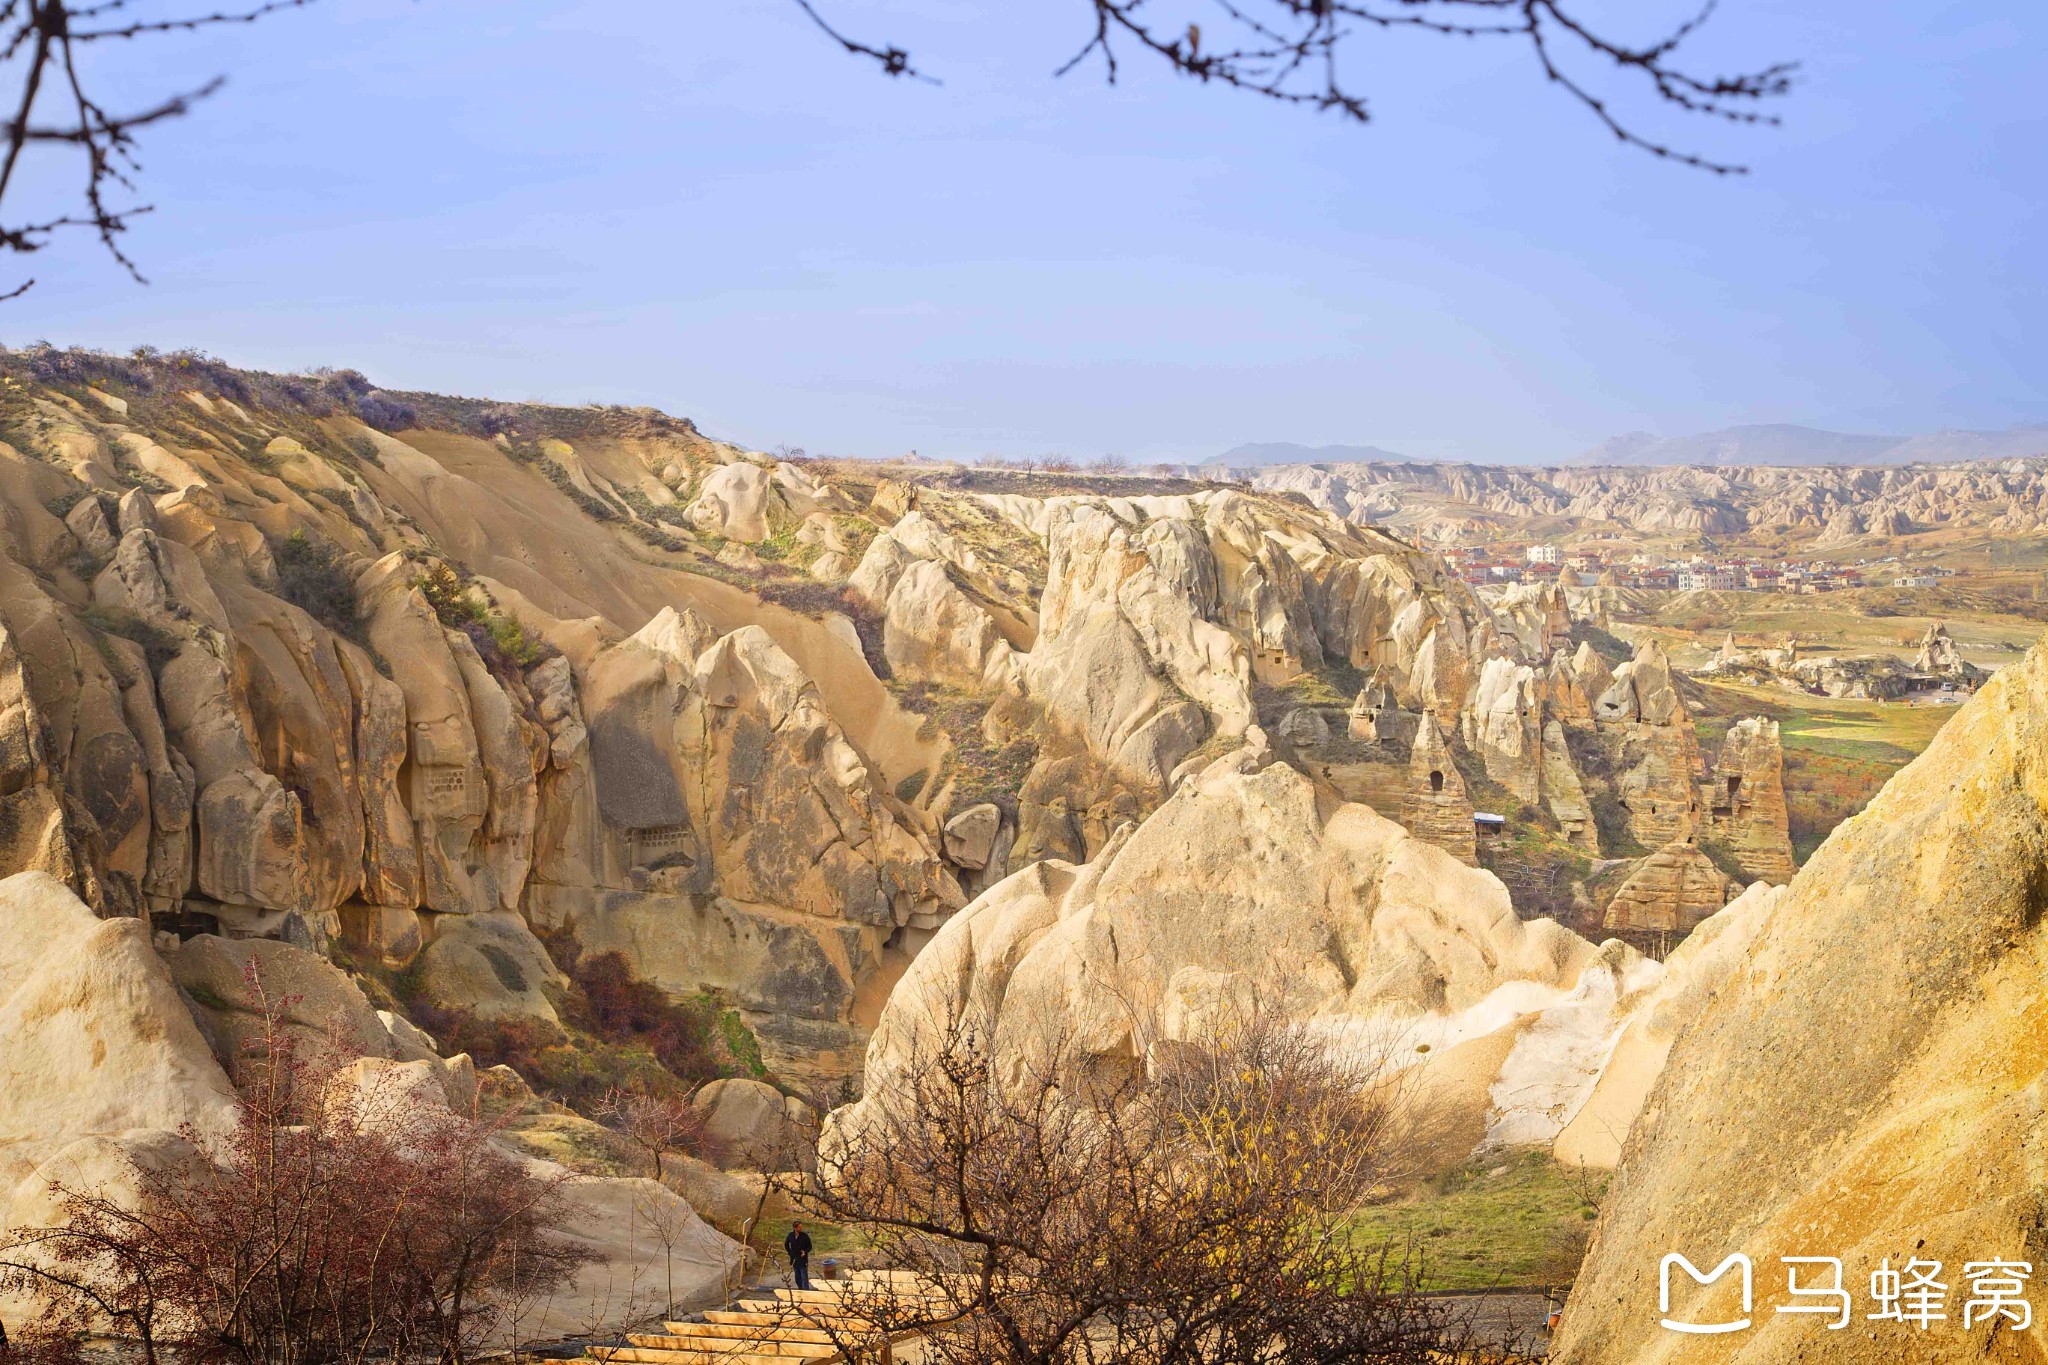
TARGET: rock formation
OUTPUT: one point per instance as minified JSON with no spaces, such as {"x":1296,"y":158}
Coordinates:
{"x":1504,"y":726}
{"x":111,"y":1056}
{"x":752,"y":1124}
{"x":1868,"y":1084}
{"x":1238,"y":888}
{"x":1563,"y":792}
{"x":1939,"y":656}
{"x":1244,"y":891}
{"x":425,"y":693}
{"x":1363,"y":719}
{"x":1438,"y":811}
{"x":1672,"y":890}
{"x":93,"y":1036}
{"x":1658,"y":754}
{"x":1744,"y":801}
{"x":1152,"y":620}
{"x":1823,"y":505}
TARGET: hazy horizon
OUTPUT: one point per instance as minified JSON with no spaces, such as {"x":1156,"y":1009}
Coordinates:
{"x":722,"y":216}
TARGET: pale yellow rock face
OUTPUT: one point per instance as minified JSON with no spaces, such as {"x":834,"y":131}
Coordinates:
{"x":1505,"y":725}
{"x":1673,"y":889}
{"x":1644,"y":719}
{"x":1239,"y":886}
{"x":1563,"y":792}
{"x":733,"y":502}
{"x":1693,"y":971}
{"x":1437,"y":810}
{"x":93,"y":1036}
{"x":491,"y":965}
{"x":104,"y":1073}
{"x":31,"y":810}
{"x":1744,"y":800}
{"x":1868,"y":1082}
{"x":755,"y":1125}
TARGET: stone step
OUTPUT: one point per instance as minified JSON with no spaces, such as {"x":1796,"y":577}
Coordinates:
{"x":758,"y":1313}
{"x":726,"y":1337}
{"x":858,"y":1294}
{"x":764,"y":1353}
{"x":686,"y":1333}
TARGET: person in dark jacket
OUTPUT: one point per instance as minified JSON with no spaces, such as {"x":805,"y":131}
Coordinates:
{"x":798,"y":1245}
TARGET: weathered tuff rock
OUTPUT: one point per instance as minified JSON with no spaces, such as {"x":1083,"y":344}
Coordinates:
{"x":733,"y":502}
{"x":490,"y":965}
{"x":1868,"y":1084}
{"x":1827,"y":504}
{"x":93,"y":1036}
{"x":1240,"y":891}
{"x":1744,"y":800}
{"x":754,"y":1125}
{"x":1564,"y":793}
{"x":1594,"y":1132}
{"x":971,"y":835}
{"x":1504,"y":725}
{"x":1862,"y":677}
{"x":1304,"y":725}
{"x":1237,"y":888}
{"x":1938,"y":655}
{"x":102,"y":1070}
{"x":1659,"y":755}
{"x":1437,"y":810}
{"x":179,"y":740}
{"x":763,"y":857}
{"x":1154,"y":617}
{"x":1673,"y":889}
{"x":1363,"y":719}
{"x":32,"y":831}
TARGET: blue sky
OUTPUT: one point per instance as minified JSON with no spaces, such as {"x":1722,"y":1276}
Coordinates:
{"x":710,"y":209}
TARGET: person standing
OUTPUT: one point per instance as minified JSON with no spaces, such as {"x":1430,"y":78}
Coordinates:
{"x":798,"y":1245}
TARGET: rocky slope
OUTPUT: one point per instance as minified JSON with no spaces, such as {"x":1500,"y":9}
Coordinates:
{"x":1828,"y":506}
{"x":1869,"y":1084}
{"x":424,"y":680}
{"x":1244,"y":894}
{"x":114,"y":1055}
{"x":274,"y":670}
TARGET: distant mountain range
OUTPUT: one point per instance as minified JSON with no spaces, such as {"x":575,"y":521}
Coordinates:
{"x":1784,"y":444}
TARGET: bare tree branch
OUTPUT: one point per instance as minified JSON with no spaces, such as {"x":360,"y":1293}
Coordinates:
{"x":894,"y":61}
{"x":1287,"y":51}
{"x":42,"y":40}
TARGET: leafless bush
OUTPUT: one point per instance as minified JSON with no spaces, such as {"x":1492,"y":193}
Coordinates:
{"x":340,"y":1221}
{"x":656,"y":1124}
{"x":1069,"y":1208}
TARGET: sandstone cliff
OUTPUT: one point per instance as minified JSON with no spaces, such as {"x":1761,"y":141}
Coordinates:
{"x":275,"y":672}
{"x":268,"y":669}
{"x":1868,"y":1083}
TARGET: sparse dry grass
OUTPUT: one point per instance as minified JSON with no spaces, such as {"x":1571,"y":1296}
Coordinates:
{"x":1516,"y":1219}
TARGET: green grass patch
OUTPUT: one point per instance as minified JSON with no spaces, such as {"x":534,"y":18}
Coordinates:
{"x":827,"y":1239}
{"x":1516,"y":1220}
{"x":741,"y":1045}
{"x":1838,"y":753}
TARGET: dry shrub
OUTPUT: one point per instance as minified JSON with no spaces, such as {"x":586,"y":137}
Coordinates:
{"x":341,"y":1220}
{"x":1072,"y":1208}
